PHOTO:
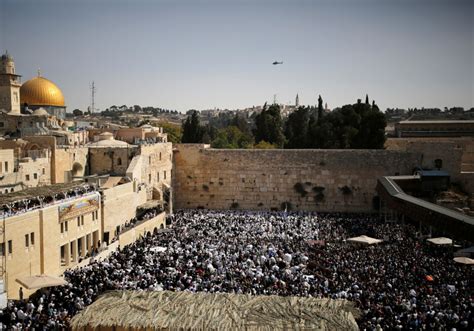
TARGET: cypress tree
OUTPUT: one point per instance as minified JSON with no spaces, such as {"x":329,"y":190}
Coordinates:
{"x":320,"y":107}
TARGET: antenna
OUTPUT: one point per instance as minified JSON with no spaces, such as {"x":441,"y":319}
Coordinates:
{"x":93,"y":90}
{"x":274,"y":99}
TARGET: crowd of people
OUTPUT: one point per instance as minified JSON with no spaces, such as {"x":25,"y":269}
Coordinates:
{"x":402,"y":283}
{"x":144,"y":216}
{"x":40,"y":201}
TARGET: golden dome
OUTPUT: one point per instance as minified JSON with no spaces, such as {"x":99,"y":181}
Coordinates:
{"x":40,"y":91}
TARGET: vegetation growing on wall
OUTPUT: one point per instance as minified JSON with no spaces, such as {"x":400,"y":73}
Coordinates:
{"x":300,"y":189}
{"x":346,"y":190}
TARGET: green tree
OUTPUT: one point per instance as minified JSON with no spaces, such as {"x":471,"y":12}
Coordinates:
{"x":77,"y":112}
{"x":264,"y":145}
{"x":173,"y":131}
{"x":232,"y":137}
{"x":352,"y":126}
{"x":192,"y":130}
{"x":296,"y":129}
{"x":320,"y":107}
{"x":268,"y":126}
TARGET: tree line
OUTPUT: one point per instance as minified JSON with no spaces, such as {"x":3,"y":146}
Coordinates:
{"x":358,"y":125}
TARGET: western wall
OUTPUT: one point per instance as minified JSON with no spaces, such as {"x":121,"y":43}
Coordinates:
{"x":319,"y":180}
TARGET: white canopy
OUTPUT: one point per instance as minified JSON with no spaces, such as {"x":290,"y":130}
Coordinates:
{"x":40,"y":281}
{"x":441,"y":241}
{"x":464,"y":260}
{"x":364,"y":240}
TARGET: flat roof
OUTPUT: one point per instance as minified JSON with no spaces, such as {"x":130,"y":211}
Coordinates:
{"x":38,"y":191}
{"x":438,"y":122}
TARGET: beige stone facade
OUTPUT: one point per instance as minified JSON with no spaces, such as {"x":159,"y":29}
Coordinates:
{"x":319,"y":180}
{"x":42,"y":241}
{"x":58,"y":236}
{"x":9,"y":85}
{"x":153,"y":167}
{"x":28,"y":168}
{"x":119,"y":207}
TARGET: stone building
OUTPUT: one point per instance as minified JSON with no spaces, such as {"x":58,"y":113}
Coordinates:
{"x":47,"y":230}
{"x":446,"y":128}
{"x":40,"y":92}
{"x":29,"y":168}
{"x":9,"y":85}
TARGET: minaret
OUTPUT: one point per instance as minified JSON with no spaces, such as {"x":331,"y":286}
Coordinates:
{"x":297,"y":101}
{"x":9,"y":85}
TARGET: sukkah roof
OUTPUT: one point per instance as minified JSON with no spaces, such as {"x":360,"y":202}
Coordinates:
{"x":166,"y":310}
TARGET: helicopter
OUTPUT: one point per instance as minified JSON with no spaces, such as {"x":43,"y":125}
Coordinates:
{"x":276,"y":62}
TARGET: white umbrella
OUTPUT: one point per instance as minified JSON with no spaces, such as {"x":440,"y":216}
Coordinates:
{"x":158,"y":249}
{"x":441,"y":241}
{"x":464,"y":260}
{"x":40,"y":281}
{"x":364,"y":240}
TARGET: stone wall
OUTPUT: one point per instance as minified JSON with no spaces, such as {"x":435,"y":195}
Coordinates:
{"x":69,"y":162}
{"x":152,"y":166}
{"x":111,"y":160}
{"x":453,"y":152}
{"x":321,"y":180}
{"x":120,"y":206}
{"x":133,"y":234}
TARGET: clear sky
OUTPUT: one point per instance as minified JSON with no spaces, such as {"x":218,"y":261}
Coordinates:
{"x":205,"y":54}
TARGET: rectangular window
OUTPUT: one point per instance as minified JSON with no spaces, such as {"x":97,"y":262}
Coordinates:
{"x":96,"y":215}
{"x":149,"y":178}
{"x":158,"y":176}
{"x":65,"y":226}
{"x":44,"y":171}
{"x":2,"y":249}
{"x":32,"y":238}
{"x":35,"y":176}
{"x":82,"y":219}
{"x":93,"y":216}
{"x":2,"y":124}
{"x":62,"y":227}
{"x":164,"y":174}
{"x":27,"y":177}
{"x":10,"y":247}
{"x":78,"y":221}
{"x":6,"y":166}
{"x":27,"y":241}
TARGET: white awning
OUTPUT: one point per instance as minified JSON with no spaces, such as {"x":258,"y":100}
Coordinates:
{"x":440,"y":241}
{"x":364,"y":240}
{"x":40,"y":281}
